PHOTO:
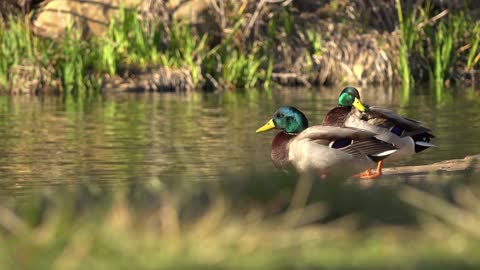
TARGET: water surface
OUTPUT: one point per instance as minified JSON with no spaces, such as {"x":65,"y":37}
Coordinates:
{"x":123,"y":137}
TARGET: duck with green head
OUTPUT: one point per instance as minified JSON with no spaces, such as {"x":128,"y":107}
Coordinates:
{"x":348,"y":99}
{"x":407,"y":134}
{"x":317,"y":149}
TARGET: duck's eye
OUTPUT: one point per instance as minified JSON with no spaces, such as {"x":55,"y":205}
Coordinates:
{"x":397,"y":130}
{"x":279,"y":115}
{"x":341,"y":143}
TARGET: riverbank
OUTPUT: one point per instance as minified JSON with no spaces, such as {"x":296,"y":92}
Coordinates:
{"x":217,"y":45}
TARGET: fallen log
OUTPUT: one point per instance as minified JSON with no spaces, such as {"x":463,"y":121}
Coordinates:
{"x":434,"y":171}
{"x":452,"y":165}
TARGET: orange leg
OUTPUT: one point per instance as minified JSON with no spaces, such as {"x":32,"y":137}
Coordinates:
{"x":369,"y":175}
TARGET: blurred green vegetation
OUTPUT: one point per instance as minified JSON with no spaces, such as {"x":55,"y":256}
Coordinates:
{"x":245,"y":222}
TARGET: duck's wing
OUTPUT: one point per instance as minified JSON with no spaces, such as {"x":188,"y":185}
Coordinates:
{"x":353,"y":141}
{"x":331,"y":133}
{"x":389,"y":119}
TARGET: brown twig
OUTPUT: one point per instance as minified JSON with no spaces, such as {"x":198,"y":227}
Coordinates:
{"x":433,"y":19}
{"x":254,"y":17}
{"x":213,"y":81}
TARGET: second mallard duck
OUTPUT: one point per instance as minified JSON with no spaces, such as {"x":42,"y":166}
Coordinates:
{"x":319,"y":149}
{"x":408,"y":134}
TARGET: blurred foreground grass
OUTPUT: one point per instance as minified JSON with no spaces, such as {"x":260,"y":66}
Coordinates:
{"x":244,"y":222}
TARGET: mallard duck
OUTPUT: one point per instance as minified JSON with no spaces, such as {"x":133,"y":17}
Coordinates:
{"x":317,"y":149}
{"x":407,"y":134}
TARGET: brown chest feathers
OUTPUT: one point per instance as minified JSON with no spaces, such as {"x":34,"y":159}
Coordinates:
{"x":336,"y":116}
{"x":280,"y":149}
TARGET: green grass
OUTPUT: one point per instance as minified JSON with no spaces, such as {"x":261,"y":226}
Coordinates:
{"x":15,"y":45}
{"x":441,"y":41}
{"x":185,"y":50}
{"x":447,"y":39}
{"x":238,"y":69}
{"x":80,"y":63}
{"x":73,"y":63}
{"x":407,"y":34}
{"x":473,"y":55}
{"x":233,"y":66}
{"x":72,"y":58}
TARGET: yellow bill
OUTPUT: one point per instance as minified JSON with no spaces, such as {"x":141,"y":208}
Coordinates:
{"x":269,"y":125}
{"x":357,"y":104}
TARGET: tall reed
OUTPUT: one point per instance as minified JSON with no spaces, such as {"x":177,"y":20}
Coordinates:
{"x":16,"y":44}
{"x":438,"y":41}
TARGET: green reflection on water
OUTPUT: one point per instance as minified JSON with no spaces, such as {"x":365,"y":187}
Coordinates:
{"x":123,"y":137}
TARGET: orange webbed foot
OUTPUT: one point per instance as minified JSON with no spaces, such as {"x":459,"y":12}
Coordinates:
{"x":368,"y":173}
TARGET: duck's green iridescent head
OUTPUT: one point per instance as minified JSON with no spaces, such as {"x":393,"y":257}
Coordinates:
{"x":289,"y":119}
{"x":350,"y":97}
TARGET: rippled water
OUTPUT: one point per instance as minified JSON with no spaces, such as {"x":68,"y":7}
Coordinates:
{"x":123,"y":137}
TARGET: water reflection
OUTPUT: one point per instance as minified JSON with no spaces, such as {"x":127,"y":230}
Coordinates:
{"x":120,"y":138}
